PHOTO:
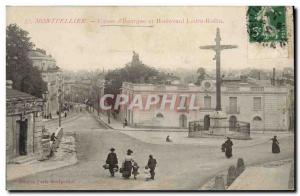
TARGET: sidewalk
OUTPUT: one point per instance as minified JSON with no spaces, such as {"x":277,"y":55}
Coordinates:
{"x":55,"y":117}
{"x":180,"y":136}
{"x":65,"y":156}
{"x":270,"y":176}
{"x":117,"y":125}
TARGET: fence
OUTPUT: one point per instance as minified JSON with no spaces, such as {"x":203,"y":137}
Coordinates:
{"x":236,"y":129}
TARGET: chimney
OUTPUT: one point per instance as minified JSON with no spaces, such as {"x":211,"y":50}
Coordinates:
{"x":273,"y":77}
{"x":9,"y":84}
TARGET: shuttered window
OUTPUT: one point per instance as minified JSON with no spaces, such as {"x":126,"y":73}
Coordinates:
{"x":256,"y":103}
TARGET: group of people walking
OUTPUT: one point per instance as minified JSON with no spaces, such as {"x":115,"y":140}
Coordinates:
{"x":227,"y":146}
{"x":129,"y":166}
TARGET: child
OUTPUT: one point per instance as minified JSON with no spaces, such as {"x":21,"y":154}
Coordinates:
{"x":135,"y":169}
{"x":147,"y":173}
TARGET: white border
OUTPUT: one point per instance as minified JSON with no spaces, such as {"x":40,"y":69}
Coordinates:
{"x":4,"y":3}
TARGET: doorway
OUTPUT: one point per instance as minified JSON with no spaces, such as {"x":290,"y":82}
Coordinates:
{"x":182,"y":121}
{"x":257,"y":123}
{"x":23,"y":137}
{"x":206,"y":122}
{"x":232,"y":123}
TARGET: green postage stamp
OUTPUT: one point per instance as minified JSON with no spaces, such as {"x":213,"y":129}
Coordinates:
{"x":267,"y":24}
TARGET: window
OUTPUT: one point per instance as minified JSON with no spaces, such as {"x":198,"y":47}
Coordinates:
{"x":256,"y":103}
{"x":183,"y":99}
{"x":207,"y":102}
{"x":233,"y":104}
{"x":257,"y":118}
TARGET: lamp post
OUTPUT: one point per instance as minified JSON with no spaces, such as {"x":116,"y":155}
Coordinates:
{"x":59,"y":106}
{"x":45,"y":100}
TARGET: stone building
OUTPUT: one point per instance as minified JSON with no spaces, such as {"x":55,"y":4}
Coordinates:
{"x":52,"y":75}
{"x":258,"y":102}
{"x":23,"y":123}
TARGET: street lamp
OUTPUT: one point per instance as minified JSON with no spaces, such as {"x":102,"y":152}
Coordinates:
{"x":59,"y":106}
{"x":45,"y":100}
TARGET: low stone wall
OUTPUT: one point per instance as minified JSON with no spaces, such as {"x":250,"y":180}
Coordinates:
{"x":46,"y":144}
{"x":224,"y":179}
{"x":58,"y":134}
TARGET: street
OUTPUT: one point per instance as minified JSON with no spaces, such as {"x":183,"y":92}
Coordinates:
{"x":180,"y":166}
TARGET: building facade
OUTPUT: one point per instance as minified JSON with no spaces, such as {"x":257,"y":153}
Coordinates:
{"x":52,"y":75}
{"x":264,"y":106}
{"x":23,"y":123}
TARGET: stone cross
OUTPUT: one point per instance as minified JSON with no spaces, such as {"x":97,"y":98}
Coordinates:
{"x":218,"y":48}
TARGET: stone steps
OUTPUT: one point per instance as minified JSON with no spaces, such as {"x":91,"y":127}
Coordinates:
{"x":24,"y":159}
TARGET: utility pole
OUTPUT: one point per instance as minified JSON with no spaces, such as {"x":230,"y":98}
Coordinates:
{"x":98,"y":100}
{"x":59,"y":107}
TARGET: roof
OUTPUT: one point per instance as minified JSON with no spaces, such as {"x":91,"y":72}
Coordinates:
{"x":16,"y":95}
{"x":37,"y":54}
{"x":34,"y":53}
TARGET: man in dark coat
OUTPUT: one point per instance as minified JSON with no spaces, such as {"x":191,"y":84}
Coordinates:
{"x":112,"y":161}
{"x":228,"y":147}
{"x":152,"y":164}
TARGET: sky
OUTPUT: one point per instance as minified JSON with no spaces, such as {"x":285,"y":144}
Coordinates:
{"x":91,"y":44}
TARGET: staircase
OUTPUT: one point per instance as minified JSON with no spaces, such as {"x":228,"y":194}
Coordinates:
{"x":27,"y":159}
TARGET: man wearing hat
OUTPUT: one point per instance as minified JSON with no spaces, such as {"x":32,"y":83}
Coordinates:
{"x":112,"y":161}
{"x":152,"y":164}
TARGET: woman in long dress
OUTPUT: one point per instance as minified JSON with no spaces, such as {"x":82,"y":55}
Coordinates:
{"x":127,"y":164}
{"x":275,"y":145}
{"x":228,"y":147}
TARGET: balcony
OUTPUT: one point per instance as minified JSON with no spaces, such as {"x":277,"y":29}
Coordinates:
{"x":232,"y":110}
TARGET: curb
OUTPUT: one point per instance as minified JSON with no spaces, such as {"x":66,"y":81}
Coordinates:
{"x":103,"y":123}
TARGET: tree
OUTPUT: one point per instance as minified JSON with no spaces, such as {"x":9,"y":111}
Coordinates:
{"x":134,"y":72}
{"x":201,"y":75}
{"x":19,"y":67}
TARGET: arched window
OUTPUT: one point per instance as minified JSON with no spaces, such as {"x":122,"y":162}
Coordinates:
{"x":257,"y":118}
{"x":159,"y":115}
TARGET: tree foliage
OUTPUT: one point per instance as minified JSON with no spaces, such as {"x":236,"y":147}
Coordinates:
{"x":134,"y":72}
{"x":19,"y":67}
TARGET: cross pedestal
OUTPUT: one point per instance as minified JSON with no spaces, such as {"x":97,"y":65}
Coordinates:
{"x":218,"y":123}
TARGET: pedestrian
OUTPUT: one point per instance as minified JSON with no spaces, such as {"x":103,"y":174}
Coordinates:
{"x":147,"y":173}
{"x":50,"y":115}
{"x":65,"y":114}
{"x":228,"y":147}
{"x":125,"y":123}
{"x":53,"y":137}
{"x":127,"y":165}
{"x":168,"y":139}
{"x":52,"y":140}
{"x":275,"y":145}
{"x":135,"y":170}
{"x":152,"y":165}
{"x":112,"y":161}
{"x":223,"y":147}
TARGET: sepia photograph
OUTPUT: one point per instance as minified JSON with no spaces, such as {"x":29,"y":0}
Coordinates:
{"x":150,"y":98}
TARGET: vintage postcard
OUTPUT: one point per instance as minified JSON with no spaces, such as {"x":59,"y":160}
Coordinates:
{"x":150,"y":98}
